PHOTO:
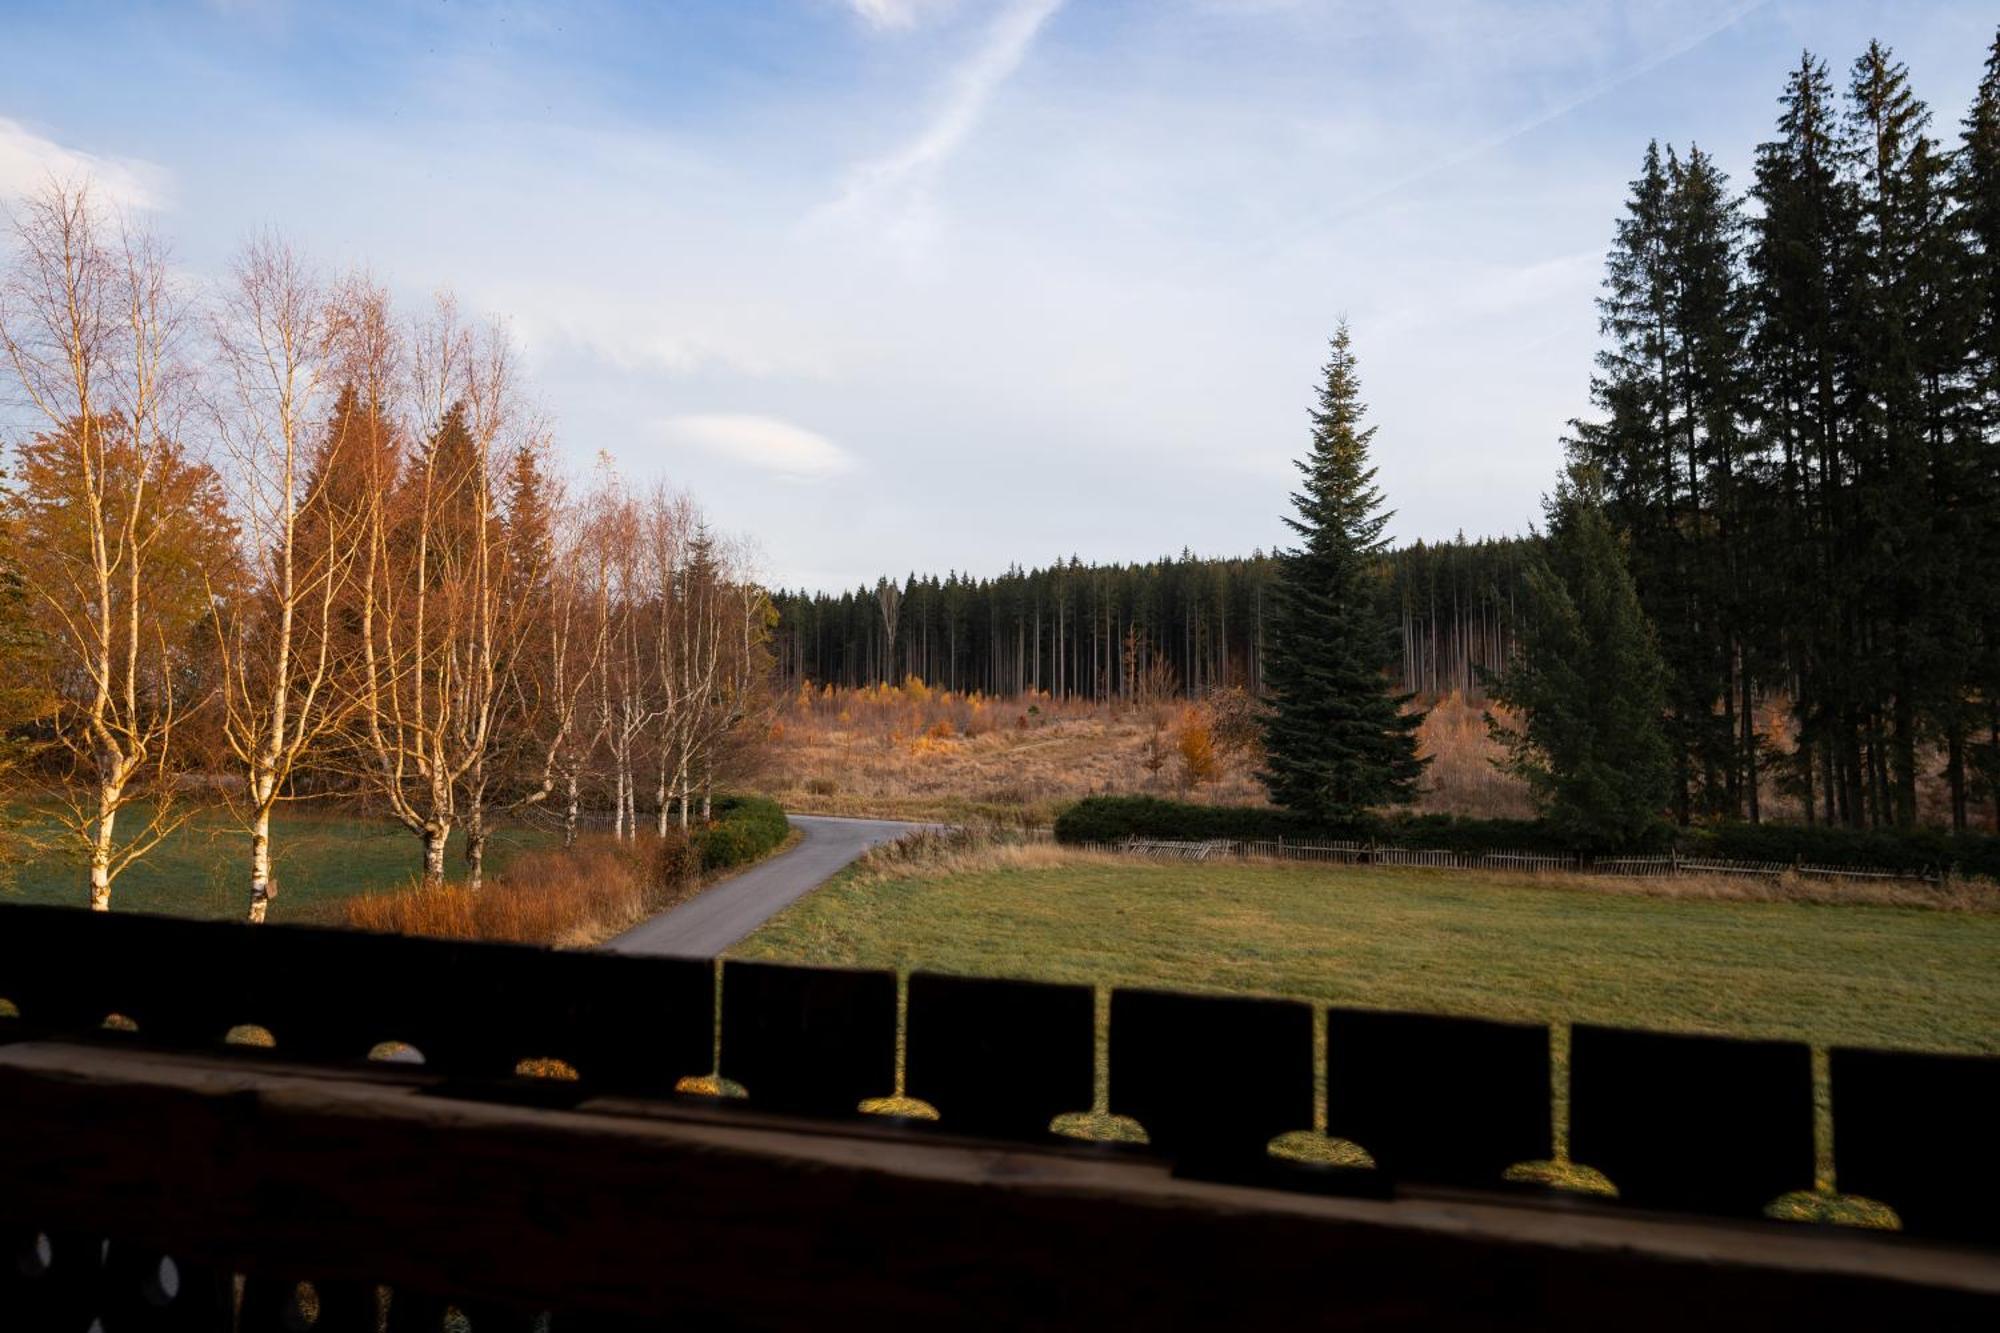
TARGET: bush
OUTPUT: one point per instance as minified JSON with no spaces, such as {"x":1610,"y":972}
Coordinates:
{"x":1112,"y":818}
{"x":740,"y":829}
{"x":1910,"y":851}
{"x":1196,"y":745}
{"x":676,"y":859}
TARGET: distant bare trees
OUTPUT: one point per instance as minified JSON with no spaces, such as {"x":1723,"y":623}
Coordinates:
{"x":569,"y":641}
{"x":686,"y":659}
{"x":385,"y":591}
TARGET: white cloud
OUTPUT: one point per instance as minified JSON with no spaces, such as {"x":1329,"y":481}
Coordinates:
{"x":895,"y":187}
{"x":765,"y":443}
{"x":28,"y":161}
{"x":675,"y":332}
{"x":896,"y":13}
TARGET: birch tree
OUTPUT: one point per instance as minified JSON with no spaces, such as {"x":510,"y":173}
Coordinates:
{"x":667,"y":528}
{"x":274,"y":335}
{"x":111,"y":518}
{"x":574,"y":634}
{"x":440,"y":631}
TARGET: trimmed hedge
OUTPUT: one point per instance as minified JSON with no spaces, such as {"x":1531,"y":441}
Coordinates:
{"x":1114,"y":818}
{"x":1903,"y":850}
{"x":741,"y":829}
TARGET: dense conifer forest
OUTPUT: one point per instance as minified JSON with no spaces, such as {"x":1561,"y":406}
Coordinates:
{"x":1184,"y":623}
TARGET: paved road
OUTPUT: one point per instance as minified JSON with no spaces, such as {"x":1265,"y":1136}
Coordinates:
{"x":732,"y":909}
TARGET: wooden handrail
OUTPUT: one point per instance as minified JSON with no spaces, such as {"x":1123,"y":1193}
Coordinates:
{"x":683,"y":1211}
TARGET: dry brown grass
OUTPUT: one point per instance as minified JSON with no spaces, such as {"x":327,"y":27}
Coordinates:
{"x":549,"y":896}
{"x":920,"y":752}
{"x":1463,"y":777}
{"x":571,"y":899}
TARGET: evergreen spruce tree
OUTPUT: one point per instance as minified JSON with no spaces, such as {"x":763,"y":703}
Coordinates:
{"x":19,"y":699}
{"x":1904,"y":408}
{"x":1800,"y":263}
{"x":1338,"y":740}
{"x":531,"y":521}
{"x":1672,"y":451}
{"x":1976,"y":186}
{"x":1587,"y":684}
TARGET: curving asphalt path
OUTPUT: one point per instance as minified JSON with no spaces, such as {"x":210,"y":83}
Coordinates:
{"x":704,"y":926}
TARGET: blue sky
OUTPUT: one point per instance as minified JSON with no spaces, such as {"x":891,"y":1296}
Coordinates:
{"x":931,"y":284}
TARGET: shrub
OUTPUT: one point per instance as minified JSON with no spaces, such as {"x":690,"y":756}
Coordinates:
{"x":1196,"y":746}
{"x":676,"y":859}
{"x":1111,"y":818}
{"x":741,"y":829}
{"x":1908,"y":851}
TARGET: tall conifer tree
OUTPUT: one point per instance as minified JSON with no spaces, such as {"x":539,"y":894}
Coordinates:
{"x":1588,"y":683}
{"x":1338,"y":740}
{"x":1801,"y":265}
{"x":1672,"y":450}
{"x":1976,"y":185}
{"x":1904,"y":411}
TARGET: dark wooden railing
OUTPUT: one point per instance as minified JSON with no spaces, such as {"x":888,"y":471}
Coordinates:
{"x":399,"y":1191}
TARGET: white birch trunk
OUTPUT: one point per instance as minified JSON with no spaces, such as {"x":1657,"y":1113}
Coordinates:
{"x":261,"y":889}
{"x":100,"y":850}
{"x":436,"y":834}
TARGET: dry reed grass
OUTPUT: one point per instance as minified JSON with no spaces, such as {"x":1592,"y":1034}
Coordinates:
{"x":1464,"y":777}
{"x":572,"y":899}
{"x":921,"y":752}
{"x":548,"y":896}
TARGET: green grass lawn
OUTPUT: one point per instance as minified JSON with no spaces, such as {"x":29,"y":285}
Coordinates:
{"x":1435,"y":941}
{"x":202,"y":869}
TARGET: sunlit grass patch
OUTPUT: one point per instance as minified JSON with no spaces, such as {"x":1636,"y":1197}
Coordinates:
{"x":1560,"y":1175}
{"x":559,"y":1071}
{"x":710,"y":1085}
{"x":1829,"y":1207}
{"x":906,"y":1108}
{"x":1308,"y":1145}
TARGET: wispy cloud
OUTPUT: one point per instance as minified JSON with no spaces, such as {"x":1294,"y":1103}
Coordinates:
{"x":680,"y":332}
{"x":29,"y":160}
{"x":897,"y":13}
{"x":767,"y":444}
{"x":894,"y":190}
{"x":1694,"y":35}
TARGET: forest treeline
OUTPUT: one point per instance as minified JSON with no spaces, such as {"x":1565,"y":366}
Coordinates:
{"x":1099,"y":632}
{"x":276,"y":537}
